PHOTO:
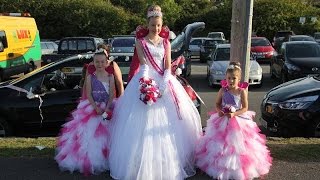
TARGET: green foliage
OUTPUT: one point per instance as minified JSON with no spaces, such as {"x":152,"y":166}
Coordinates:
{"x":103,"y":18}
{"x":270,"y":16}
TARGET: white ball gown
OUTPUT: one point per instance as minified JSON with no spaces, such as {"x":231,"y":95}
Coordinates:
{"x":233,"y":148}
{"x":154,"y":142}
{"x":83,"y":144}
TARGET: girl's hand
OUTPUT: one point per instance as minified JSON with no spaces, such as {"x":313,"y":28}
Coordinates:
{"x":98,"y":111}
{"x":230,"y":115}
{"x":221,"y":113}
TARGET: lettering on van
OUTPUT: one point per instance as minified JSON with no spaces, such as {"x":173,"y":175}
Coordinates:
{"x":23,"y":34}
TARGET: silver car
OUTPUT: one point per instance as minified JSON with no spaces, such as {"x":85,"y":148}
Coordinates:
{"x":195,"y":45}
{"x":219,"y":61}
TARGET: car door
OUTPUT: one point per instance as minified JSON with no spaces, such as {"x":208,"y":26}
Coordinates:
{"x":59,"y":102}
{"x":279,"y":61}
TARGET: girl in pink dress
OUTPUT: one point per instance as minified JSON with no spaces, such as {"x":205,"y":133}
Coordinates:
{"x":83,"y":144}
{"x":232,"y":147}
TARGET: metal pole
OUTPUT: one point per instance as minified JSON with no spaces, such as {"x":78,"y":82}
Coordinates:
{"x":241,"y":25}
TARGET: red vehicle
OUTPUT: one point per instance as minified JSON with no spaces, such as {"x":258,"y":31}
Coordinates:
{"x":261,"y":49}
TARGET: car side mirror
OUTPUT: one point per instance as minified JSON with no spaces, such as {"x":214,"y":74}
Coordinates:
{"x":1,"y":47}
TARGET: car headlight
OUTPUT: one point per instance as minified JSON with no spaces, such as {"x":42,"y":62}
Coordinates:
{"x":292,"y":67}
{"x":298,"y":103}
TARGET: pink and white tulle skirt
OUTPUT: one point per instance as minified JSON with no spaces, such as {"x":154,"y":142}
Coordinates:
{"x":83,"y":144}
{"x":233,"y":149}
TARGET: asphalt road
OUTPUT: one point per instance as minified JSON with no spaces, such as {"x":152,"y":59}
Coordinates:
{"x":47,"y":169}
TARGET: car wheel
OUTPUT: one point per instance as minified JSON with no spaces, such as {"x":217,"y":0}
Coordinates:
{"x":317,"y":128}
{"x":5,"y":128}
{"x":272,"y":74}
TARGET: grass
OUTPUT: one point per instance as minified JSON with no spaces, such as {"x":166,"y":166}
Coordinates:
{"x":284,"y":149}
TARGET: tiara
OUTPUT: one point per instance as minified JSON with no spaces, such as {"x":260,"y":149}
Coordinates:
{"x":101,"y":50}
{"x":154,"y":14}
{"x":232,"y":66}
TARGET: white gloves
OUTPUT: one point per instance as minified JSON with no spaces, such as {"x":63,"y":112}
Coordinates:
{"x":164,"y":84}
{"x":144,"y":69}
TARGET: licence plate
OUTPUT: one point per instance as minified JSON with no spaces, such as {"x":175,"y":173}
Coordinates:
{"x":269,"y":109}
{"x":260,"y":56}
{"x":264,"y":123}
{"x":68,"y":70}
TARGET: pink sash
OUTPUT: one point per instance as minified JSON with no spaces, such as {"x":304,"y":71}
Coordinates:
{"x":161,"y":70}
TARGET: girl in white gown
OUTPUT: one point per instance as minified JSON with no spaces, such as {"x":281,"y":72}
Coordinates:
{"x":157,"y":141}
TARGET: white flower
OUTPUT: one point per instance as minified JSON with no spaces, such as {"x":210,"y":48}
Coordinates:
{"x":232,"y":109}
{"x":178,"y":71}
{"x":111,"y":58}
{"x":150,"y":102}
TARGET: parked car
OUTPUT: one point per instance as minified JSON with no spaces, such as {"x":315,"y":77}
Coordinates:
{"x":194,"y":47}
{"x":296,"y":59}
{"x":316,"y":36}
{"x":262,"y":49}
{"x":293,"y":108}
{"x":123,"y":44}
{"x":70,"y":46}
{"x":280,"y":37}
{"x":207,"y":47}
{"x":219,"y":61}
{"x":57,"y":84}
{"x":48,"y":47}
{"x":301,"y":38}
{"x":216,"y":35}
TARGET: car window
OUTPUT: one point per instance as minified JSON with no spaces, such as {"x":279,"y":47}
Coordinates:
{"x":303,"y":50}
{"x":82,"y":45}
{"x":301,"y":38}
{"x":210,"y":43}
{"x":90,"y":45}
{"x":196,"y":42}
{"x":260,"y":42}
{"x":64,"y":45}
{"x":222,"y":54}
{"x":123,"y":42}
{"x":43,"y":46}
{"x":34,"y":85}
{"x":317,"y":36}
{"x":72,"y":45}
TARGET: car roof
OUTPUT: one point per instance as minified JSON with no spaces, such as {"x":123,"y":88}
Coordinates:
{"x":301,"y":42}
{"x":200,"y":38}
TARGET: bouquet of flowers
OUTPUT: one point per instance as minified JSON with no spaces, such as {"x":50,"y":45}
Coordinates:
{"x":149,"y":91}
{"x":228,"y":109}
{"x":107,"y":115}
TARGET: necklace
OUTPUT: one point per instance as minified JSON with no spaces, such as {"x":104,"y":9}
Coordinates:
{"x":154,"y":41}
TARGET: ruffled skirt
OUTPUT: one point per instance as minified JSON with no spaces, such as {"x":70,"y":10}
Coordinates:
{"x":83,"y":144}
{"x":154,"y":142}
{"x":233,"y":149}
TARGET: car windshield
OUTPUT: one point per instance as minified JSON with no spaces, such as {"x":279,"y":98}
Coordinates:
{"x":283,"y":34}
{"x":317,"y":36}
{"x":212,"y":42}
{"x":301,"y":38}
{"x":223,"y":54}
{"x":123,"y":42}
{"x":303,"y":50}
{"x":196,"y":42}
{"x":260,"y":42}
{"x":214,"y":35}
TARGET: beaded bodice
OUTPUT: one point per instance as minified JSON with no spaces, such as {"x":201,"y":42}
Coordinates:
{"x":100,"y":90}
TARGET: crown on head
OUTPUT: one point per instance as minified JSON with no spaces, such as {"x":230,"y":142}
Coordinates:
{"x":154,"y":13}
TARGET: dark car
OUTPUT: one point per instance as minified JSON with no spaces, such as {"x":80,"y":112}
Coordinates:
{"x":296,"y":59}
{"x":56,"y":92}
{"x":301,"y":38}
{"x":207,"y":47}
{"x":123,"y":44}
{"x":293,"y":108}
{"x":280,"y":37}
